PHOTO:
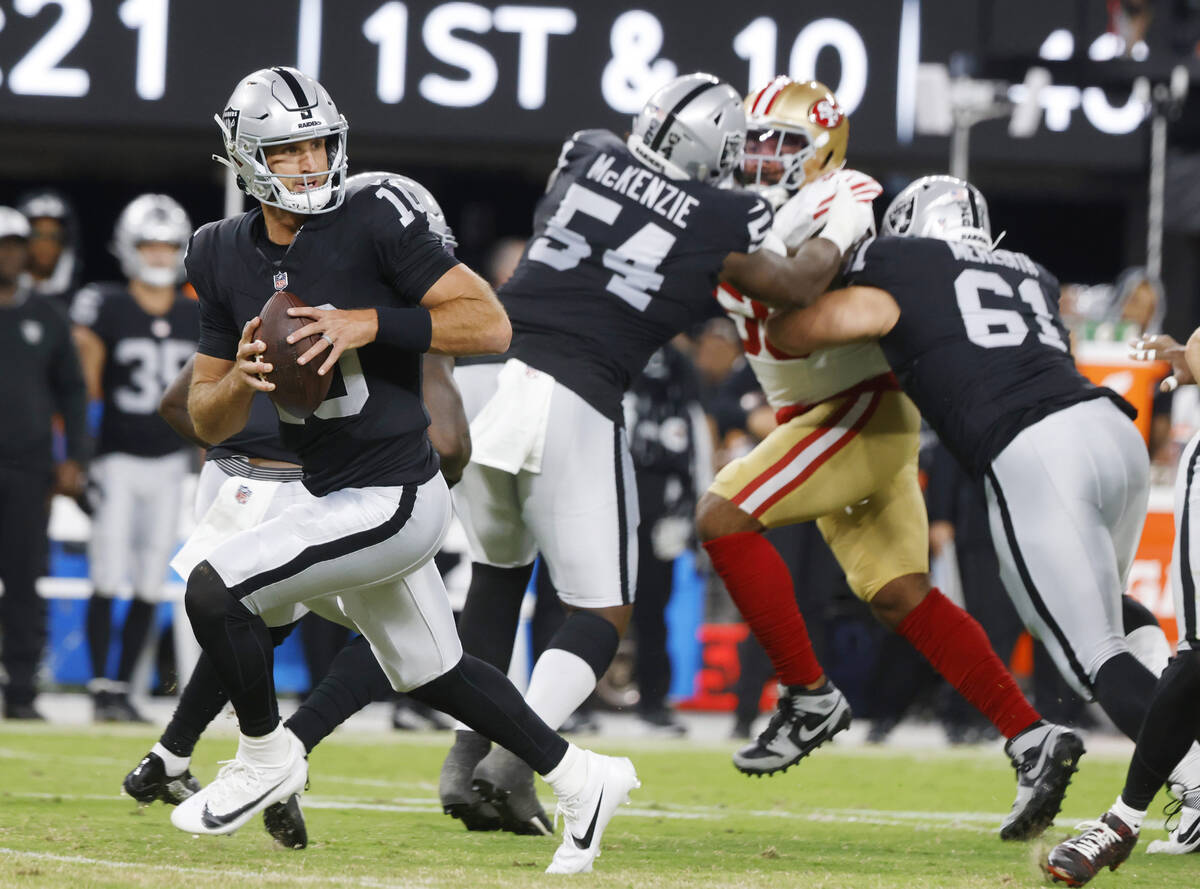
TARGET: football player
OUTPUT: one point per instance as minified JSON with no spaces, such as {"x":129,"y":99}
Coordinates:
{"x":629,"y":240}
{"x":974,"y":336}
{"x":253,"y":477}
{"x":845,"y":454}
{"x":1171,"y":723}
{"x":132,"y":341}
{"x":379,"y":507}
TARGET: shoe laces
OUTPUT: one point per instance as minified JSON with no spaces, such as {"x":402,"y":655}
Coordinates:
{"x":1096,"y":840}
{"x":785,"y":712}
{"x":235,"y":778}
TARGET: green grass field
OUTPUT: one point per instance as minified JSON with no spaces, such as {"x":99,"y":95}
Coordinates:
{"x":850,"y":818}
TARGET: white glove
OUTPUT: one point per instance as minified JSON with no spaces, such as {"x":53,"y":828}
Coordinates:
{"x":810,"y":212}
{"x":795,"y":222}
{"x":847,"y":219}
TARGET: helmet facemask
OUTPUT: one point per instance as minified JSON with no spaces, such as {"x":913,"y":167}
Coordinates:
{"x":247,"y":156}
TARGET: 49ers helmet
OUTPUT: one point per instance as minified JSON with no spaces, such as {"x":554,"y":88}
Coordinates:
{"x":797,"y":125}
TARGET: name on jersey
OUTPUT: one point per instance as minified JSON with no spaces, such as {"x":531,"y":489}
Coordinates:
{"x":1006,"y":258}
{"x":647,"y":188}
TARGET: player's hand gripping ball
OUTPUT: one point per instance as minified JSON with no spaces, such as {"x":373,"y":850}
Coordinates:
{"x":299,"y":389}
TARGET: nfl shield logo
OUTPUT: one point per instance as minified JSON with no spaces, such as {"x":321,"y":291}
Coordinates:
{"x":243,"y":494}
{"x":281,"y":280}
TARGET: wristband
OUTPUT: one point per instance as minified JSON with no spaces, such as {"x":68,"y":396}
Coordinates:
{"x":410,"y":329}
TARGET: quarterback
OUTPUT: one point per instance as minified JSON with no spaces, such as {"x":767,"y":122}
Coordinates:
{"x":379,"y":508}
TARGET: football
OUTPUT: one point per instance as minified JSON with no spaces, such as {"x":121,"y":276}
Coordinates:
{"x":299,"y":389}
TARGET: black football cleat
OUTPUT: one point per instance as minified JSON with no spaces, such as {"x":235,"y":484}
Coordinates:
{"x":458,"y":797}
{"x":1045,"y":757}
{"x":1103,"y":843}
{"x":285,"y":822}
{"x":150,"y":781}
{"x":803,"y":721}
{"x":507,"y":783}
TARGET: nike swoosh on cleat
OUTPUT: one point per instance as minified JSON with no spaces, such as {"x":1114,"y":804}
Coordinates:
{"x":209,"y":820}
{"x":586,"y":840}
{"x":1186,"y":836}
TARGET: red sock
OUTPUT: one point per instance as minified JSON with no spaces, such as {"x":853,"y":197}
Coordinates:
{"x":761,"y":587}
{"x":955,"y":644}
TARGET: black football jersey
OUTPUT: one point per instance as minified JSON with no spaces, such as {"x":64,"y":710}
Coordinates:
{"x":258,"y":438}
{"x":979,"y":346}
{"x":143,"y":355}
{"x":375,"y":250}
{"x":621,"y":260}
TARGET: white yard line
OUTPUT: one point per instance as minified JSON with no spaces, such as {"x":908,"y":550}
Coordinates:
{"x":973,"y":822}
{"x":218,"y":873}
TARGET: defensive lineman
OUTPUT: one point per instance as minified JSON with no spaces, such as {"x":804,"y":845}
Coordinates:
{"x":379,"y":509}
{"x":974,"y":336}
{"x":629,"y":241}
{"x":845,"y":454}
{"x":133,"y":339}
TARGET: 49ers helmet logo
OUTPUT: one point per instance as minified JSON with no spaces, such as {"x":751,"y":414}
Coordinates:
{"x":825,"y":113}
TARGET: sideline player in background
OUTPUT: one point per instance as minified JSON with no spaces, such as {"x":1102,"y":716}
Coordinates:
{"x":267,"y":471}
{"x":629,"y":241}
{"x":379,"y":508}
{"x":133,"y":339}
{"x":36,"y":350}
{"x":974,"y":336}
{"x":845,"y":454}
{"x":1172,"y":721}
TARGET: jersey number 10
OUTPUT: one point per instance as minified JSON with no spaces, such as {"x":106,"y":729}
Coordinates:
{"x":634,"y":263}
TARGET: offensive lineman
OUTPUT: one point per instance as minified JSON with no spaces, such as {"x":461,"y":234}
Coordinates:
{"x":133,"y":340}
{"x":845,"y":454}
{"x":379,"y":509}
{"x":974,"y":336}
{"x":629,"y":241}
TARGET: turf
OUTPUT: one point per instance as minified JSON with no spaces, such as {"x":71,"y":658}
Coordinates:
{"x":847,"y":818}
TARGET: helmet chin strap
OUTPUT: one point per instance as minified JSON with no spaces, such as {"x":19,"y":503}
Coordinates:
{"x":158,"y":276}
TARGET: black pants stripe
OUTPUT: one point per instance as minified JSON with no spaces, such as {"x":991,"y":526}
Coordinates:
{"x":1039,"y":603}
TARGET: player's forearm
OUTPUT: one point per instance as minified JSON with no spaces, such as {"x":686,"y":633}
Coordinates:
{"x":219,"y":409}
{"x":473,"y":324}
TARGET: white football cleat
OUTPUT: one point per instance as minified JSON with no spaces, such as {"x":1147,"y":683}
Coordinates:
{"x":1183,"y":825}
{"x":587,"y":813}
{"x":241,"y":790}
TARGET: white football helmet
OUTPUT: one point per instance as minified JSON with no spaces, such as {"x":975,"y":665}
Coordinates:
{"x":420,"y":195}
{"x":692,"y":128}
{"x":941,"y":207}
{"x":275,"y":106}
{"x":151,"y":218}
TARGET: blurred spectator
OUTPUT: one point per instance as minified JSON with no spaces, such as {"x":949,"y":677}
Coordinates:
{"x":671,"y":444}
{"x":1133,"y":305}
{"x":53,"y":244}
{"x":133,"y":340}
{"x":42,"y":370}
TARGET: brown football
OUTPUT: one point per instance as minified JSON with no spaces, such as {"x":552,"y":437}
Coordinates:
{"x":299,"y":389}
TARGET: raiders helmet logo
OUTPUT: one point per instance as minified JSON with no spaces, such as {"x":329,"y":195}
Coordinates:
{"x":825,"y":113}
{"x":230,"y":116}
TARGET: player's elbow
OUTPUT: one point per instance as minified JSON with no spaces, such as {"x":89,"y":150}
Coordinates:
{"x":497,"y":336}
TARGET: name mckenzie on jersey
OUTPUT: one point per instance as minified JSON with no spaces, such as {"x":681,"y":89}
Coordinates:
{"x":647,"y":188}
